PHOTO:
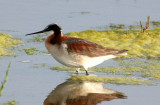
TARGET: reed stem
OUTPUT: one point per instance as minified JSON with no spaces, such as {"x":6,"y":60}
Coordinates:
{"x":5,"y":80}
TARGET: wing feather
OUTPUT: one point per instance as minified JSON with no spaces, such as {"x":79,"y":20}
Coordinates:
{"x":84,"y":47}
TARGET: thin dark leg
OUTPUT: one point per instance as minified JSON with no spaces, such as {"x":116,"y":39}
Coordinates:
{"x":86,"y":71}
{"x":77,"y":71}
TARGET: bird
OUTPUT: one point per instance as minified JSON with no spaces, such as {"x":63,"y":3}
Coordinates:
{"x":76,"y":52}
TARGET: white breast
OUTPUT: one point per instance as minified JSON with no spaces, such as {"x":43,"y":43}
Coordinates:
{"x":60,"y":53}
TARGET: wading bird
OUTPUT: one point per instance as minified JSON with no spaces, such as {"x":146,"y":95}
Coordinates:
{"x":76,"y":52}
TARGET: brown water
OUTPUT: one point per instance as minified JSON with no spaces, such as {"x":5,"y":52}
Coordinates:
{"x":30,"y":83}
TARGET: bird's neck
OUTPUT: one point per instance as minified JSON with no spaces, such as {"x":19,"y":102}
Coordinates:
{"x":54,"y":38}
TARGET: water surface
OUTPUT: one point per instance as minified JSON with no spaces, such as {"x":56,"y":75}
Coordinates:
{"x":30,"y":83}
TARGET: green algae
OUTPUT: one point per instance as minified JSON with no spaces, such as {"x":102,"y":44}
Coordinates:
{"x":156,"y":23}
{"x":148,"y":69}
{"x":111,"y":80}
{"x":13,"y":102}
{"x":8,"y":42}
{"x":139,"y":68}
{"x":64,"y":68}
{"x":30,"y":51}
{"x":139,"y":44}
{"x":84,"y":12}
{"x":38,"y":38}
{"x":43,"y":65}
{"x":33,"y":51}
{"x":115,"y":27}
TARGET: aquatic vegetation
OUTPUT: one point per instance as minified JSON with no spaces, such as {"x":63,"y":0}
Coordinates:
{"x":134,"y":27}
{"x":63,"y":68}
{"x":33,"y":51}
{"x":43,"y":65}
{"x":139,"y":68}
{"x":30,"y":51}
{"x":5,"y":80}
{"x":38,"y":38}
{"x":115,"y":27}
{"x":111,"y":80}
{"x":145,"y":68}
{"x":7,"y":42}
{"x":13,"y":102}
{"x":139,"y":44}
{"x":156,"y":23}
{"x":44,"y":52}
{"x":84,"y":12}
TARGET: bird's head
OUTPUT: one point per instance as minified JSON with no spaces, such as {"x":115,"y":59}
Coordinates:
{"x":50,"y":29}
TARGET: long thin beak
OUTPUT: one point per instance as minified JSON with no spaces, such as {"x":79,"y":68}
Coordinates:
{"x":36,"y":32}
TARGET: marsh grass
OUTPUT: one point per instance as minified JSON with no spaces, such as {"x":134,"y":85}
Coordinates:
{"x":111,"y":80}
{"x":7,"y":42}
{"x":5,"y":80}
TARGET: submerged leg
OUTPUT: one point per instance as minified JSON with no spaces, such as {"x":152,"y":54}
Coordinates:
{"x":77,"y":71}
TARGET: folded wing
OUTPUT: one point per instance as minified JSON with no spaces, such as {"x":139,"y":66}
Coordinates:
{"x":87,"y":48}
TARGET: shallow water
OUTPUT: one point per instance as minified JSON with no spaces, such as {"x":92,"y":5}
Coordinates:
{"x":30,"y":83}
{"x":73,"y":15}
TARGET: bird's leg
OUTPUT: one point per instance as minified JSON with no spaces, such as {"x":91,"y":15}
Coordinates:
{"x":87,"y":72}
{"x":86,"y":69}
{"x":77,"y":71}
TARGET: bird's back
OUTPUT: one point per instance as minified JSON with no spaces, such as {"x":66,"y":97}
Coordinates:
{"x":90,"y":49}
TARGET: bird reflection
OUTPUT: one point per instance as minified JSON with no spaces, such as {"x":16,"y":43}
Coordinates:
{"x":81,"y":93}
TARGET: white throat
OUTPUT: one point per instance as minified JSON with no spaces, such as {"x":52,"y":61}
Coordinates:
{"x":49,"y":33}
